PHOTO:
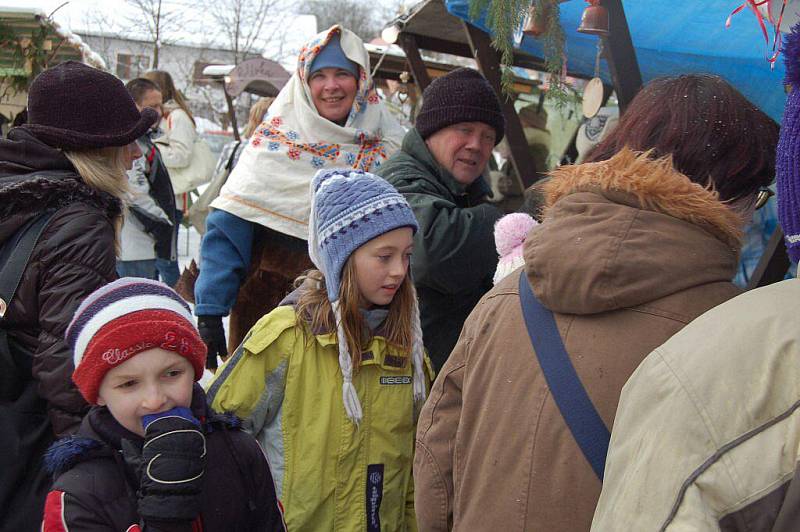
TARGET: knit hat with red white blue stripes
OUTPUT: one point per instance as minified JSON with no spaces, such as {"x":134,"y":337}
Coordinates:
{"x":124,"y":318}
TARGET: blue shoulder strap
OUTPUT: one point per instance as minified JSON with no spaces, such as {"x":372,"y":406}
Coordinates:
{"x":569,"y":394}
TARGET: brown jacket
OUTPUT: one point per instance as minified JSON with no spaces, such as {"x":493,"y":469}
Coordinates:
{"x":630,"y":252}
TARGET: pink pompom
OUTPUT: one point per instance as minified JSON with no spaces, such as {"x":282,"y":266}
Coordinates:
{"x":510,"y":232}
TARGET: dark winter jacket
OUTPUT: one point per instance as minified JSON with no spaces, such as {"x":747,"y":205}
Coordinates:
{"x":95,"y":490}
{"x":454,"y":254}
{"x":73,"y":257}
{"x":165,"y":236}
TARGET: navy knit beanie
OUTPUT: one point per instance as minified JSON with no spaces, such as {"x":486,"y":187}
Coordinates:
{"x":462,"y":95}
{"x":787,"y":164}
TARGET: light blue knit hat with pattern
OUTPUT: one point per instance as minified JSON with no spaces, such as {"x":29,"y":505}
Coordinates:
{"x":348,"y":209}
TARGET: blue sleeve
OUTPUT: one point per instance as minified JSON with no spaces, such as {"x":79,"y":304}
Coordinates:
{"x":224,"y":259}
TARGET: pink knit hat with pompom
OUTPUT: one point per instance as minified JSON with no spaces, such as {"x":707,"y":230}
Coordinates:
{"x":509,"y":236}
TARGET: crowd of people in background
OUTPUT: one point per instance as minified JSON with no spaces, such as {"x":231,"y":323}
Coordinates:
{"x":400,"y":354}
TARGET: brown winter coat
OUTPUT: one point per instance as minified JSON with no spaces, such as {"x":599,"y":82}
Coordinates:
{"x":629,"y":253}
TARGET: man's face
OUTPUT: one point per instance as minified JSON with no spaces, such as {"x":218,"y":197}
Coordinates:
{"x":154,"y":101}
{"x":463,"y":149}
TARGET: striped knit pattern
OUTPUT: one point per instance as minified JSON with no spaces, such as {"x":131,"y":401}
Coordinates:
{"x":348,"y":209}
{"x":124,"y":318}
{"x":113,"y":301}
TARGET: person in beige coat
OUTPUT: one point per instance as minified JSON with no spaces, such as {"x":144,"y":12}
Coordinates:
{"x":707,"y":435}
{"x":634,"y":245}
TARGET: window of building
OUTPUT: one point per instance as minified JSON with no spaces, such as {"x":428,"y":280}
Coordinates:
{"x":130,"y":66}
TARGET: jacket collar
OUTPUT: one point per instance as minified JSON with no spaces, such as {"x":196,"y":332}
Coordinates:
{"x":625,"y":232}
{"x":651,"y":184}
{"x":35,"y":177}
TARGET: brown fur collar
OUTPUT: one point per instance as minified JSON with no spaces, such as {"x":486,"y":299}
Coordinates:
{"x":655,"y":184}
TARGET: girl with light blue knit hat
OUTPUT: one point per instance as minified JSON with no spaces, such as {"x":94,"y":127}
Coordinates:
{"x":331,"y":381}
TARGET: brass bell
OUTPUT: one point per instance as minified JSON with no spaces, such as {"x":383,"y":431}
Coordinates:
{"x":594,"y":20}
{"x":536,"y":22}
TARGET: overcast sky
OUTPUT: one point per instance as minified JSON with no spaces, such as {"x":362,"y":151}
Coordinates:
{"x":111,"y":15}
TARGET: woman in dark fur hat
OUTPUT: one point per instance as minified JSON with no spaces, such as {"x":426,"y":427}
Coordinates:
{"x":67,"y":163}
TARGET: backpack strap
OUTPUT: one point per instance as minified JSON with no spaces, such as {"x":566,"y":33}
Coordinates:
{"x":576,"y":407}
{"x":17,"y":259}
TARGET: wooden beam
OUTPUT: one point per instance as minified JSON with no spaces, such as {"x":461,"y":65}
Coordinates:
{"x":443,"y":46}
{"x":409,"y":44}
{"x":621,"y":55}
{"x":489,"y":64}
{"x":774,"y":262}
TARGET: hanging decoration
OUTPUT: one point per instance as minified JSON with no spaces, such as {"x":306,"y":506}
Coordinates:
{"x":771,"y":7}
{"x":504,"y":18}
{"x":594,"y":20}
{"x":593,"y":92}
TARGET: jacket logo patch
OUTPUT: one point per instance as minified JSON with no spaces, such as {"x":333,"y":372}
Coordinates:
{"x":394,"y":361}
{"x":402,"y":379}
{"x":374,"y":496}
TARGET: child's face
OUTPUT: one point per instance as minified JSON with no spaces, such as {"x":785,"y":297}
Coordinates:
{"x":152,"y":381}
{"x":381,"y":265}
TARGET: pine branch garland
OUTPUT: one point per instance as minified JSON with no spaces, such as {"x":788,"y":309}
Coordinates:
{"x":505,"y":17}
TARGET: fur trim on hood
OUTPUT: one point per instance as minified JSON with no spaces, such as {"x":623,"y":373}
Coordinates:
{"x":52,"y":191}
{"x":656,"y":185}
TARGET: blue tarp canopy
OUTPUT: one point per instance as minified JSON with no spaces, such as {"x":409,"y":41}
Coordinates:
{"x":676,"y":38}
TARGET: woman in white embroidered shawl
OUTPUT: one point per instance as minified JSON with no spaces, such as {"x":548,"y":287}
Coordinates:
{"x":327,"y":116}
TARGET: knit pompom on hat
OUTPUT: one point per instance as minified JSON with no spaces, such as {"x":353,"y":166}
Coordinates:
{"x":787,"y":162}
{"x":124,"y":318}
{"x":509,"y":237}
{"x":462,"y":95}
{"x":348,"y":209}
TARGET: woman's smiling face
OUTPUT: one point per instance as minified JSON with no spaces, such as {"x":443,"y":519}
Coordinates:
{"x":333,"y":91}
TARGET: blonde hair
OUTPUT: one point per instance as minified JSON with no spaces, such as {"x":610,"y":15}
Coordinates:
{"x":168,"y":90}
{"x":104,"y":169}
{"x":315,"y":313}
{"x":257,"y":112}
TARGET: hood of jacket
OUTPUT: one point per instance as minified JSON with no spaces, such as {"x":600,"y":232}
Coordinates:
{"x":627,"y":231}
{"x":35,"y":177}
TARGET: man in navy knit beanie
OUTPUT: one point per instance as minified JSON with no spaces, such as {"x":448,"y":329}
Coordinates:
{"x":440,"y":171}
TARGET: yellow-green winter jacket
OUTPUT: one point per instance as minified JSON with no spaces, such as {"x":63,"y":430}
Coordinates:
{"x":330,"y":474}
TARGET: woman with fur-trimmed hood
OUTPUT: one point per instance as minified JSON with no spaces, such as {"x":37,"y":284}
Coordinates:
{"x":635,"y":244}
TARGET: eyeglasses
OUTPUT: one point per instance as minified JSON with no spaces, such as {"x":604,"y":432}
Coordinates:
{"x":763,"y":196}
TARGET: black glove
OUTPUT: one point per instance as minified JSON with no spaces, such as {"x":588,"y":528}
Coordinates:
{"x":213,"y":334}
{"x":170,"y":466}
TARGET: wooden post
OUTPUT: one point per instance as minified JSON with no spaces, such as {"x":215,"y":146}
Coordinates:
{"x":621,"y":55}
{"x":774,"y":262}
{"x":231,"y":112}
{"x":409,"y":44}
{"x":489,"y":64}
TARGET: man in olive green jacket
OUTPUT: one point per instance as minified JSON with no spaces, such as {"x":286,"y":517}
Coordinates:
{"x":439,"y":170}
